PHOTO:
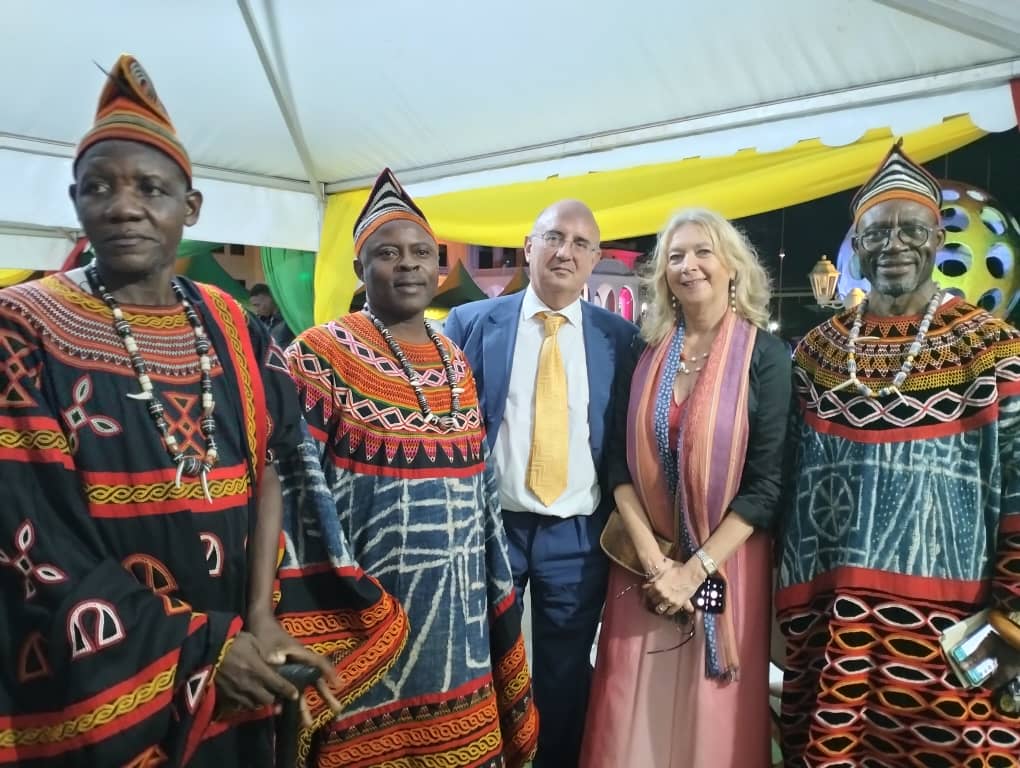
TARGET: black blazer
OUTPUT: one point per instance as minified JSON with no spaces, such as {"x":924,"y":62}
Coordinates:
{"x":768,"y":407}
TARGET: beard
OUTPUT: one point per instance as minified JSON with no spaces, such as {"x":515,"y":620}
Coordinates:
{"x":896,"y":288}
{"x":899,"y":285}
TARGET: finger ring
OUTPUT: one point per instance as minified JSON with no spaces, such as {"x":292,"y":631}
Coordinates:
{"x":662,"y":608}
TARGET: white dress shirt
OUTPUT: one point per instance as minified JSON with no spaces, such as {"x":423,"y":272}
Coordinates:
{"x":513,"y":441}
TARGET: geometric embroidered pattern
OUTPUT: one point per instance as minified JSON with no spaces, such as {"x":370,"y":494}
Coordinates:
{"x":33,"y":661}
{"x":363,"y":664}
{"x":413,"y":504}
{"x":409,"y":552}
{"x":348,"y":374}
{"x":275,"y":359}
{"x":182,"y":424}
{"x":36,"y":440}
{"x":334,"y":623}
{"x":392,"y":640}
{"x":386,"y":202}
{"x":859,"y":411}
{"x":83,"y":335}
{"x":903,"y":519}
{"x":309,"y":368}
{"x":195,"y":687}
{"x":968,"y":361}
{"x":18,"y":560}
{"x":77,"y":417}
{"x":101,"y":715}
{"x":153,"y":757}
{"x":15,"y":353}
{"x":151,"y":572}
{"x":219,"y":306}
{"x":164,"y":491}
{"x":64,"y":380}
{"x":213,"y":553}
{"x":93,"y":625}
{"x":456,"y":732}
{"x":899,"y":177}
{"x":59,"y":298}
{"x":383,"y":361}
{"x":880,"y":693}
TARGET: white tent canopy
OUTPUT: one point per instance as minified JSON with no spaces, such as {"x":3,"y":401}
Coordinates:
{"x":280,"y":102}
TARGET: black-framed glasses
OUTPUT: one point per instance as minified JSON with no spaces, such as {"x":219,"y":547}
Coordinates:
{"x":683,"y":621}
{"x":555,"y":239}
{"x":912,"y":233}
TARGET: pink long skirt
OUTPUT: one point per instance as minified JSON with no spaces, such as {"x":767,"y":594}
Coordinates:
{"x":659,"y":710}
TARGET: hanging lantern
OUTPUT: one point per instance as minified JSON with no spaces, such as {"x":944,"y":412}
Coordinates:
{"x":824,"y":277}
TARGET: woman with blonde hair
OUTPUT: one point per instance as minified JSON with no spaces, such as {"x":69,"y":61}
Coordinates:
{"x":677,"y":686}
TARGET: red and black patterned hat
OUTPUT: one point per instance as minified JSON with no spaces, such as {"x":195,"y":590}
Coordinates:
{"x":387,"y":202}
{"x":898,"y":178}
{"x":129,"y":109}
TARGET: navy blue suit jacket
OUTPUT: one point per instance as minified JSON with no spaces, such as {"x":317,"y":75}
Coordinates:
{"x":487,"y":332}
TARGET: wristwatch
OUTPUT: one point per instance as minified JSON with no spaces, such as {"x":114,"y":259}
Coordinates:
{"x":707,"y":562}
{"x":1009,"y":698}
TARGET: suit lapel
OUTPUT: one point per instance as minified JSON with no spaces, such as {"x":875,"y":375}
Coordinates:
{"x":600,"y":358}
{"x":498,"y":339}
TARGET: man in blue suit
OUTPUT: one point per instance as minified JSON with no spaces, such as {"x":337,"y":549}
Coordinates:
{"x":558,"y":445}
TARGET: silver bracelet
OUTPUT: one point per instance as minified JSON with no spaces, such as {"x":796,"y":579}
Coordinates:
{"x":707,"y":562}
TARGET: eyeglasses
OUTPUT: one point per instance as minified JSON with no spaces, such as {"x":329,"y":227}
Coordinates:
{"x":556,"y":240}
{"x":911,"y":233}
{"x":679,"y":620}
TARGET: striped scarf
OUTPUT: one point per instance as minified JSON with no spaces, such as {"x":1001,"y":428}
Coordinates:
{"x":694,"y":481}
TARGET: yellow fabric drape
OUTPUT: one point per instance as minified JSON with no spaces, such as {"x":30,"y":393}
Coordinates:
{"x":14,"y":276}
{"x":335,"y":281}
{"x":633,"y":201}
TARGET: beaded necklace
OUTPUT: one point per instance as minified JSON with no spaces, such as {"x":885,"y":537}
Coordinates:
{"x":192,"y":466}
{"x":455,"y":419}
{"x":694,"y":361}
{"x":908,"y":363}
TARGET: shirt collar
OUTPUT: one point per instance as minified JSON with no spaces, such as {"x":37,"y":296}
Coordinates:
{"x":532,"y":305}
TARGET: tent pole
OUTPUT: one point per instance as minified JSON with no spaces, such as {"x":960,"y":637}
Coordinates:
{"x":283,"y":100}
{"x":966,"y":18}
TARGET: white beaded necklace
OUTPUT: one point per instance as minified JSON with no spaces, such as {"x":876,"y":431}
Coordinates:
{"x":908,"y":363}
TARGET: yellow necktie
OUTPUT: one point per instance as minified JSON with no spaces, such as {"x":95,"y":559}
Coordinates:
{"x":547,"y":466}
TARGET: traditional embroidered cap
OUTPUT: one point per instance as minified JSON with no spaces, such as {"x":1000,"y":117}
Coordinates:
{"x":387,"y":202}
{"x":129,"y":109}
{"x":898,"y":178}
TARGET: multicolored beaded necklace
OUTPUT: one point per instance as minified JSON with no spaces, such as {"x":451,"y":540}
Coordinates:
{"x":192,"y":466}
{"x":908,"y":363}
{"x":455,"y":419}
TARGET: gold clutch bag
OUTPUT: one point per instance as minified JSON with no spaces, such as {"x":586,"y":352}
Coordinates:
{"x":616,"y":543}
